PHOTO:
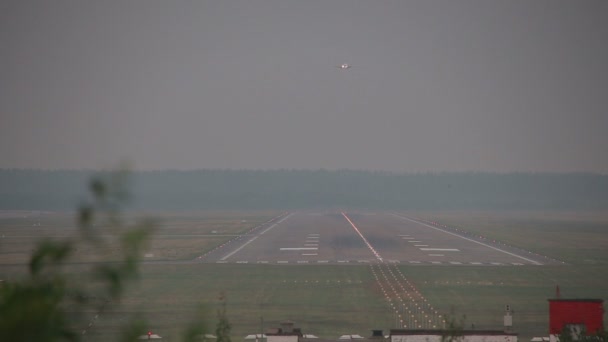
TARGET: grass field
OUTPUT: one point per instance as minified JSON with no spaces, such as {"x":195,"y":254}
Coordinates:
{"x":331,"y":300}
{"x":574,"y":237}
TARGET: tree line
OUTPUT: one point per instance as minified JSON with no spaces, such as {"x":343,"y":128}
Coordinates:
{"x":301,"y":189}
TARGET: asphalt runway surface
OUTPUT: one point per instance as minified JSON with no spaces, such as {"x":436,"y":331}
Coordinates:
{"x":363,"y":238}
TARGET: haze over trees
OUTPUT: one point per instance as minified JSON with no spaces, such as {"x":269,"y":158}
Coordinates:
{"x":290,"y":189}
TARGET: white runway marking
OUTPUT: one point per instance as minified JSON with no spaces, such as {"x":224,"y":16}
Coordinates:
{"x":298,"y":248}
{"x":404,"y":235}
{"x":462,"y":237}
{"x":364,"y":261}
{"x":238,"y":249}
{"x":436,"y":255}
{"x":310,"y":254}
{"x":267,"y":229}
{"x":285,"y":218}
{"x":440,"y":249}
{"x":311,"y":244}
{"x":363,"y":238}
{"x":421,"y":245}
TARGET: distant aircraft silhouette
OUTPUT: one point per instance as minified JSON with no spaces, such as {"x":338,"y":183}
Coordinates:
{"x":344,"y":66}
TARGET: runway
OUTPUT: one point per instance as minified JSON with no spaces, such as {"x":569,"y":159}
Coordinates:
{"x":300,"y":238}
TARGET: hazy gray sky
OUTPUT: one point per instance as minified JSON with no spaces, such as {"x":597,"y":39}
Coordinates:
{"x":435,"y":85}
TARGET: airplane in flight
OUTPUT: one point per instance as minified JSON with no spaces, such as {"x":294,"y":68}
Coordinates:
{"x":345,"y":66}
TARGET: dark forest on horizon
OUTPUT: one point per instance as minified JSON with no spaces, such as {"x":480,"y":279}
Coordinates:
{"x":310,"y":189}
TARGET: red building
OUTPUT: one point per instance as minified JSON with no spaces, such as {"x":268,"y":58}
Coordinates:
{"x":580,"y":316}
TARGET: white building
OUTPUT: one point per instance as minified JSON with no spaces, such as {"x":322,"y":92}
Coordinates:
{"x":403,"y":335}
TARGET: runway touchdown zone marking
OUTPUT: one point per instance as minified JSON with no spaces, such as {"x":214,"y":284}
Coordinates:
{"x":471,"y":240}
{"x":364,"y":261}
{"x":298,"y":248}
{"x":440,"y":249}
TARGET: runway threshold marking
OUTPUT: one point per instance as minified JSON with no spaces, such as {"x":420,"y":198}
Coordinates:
{"x":471,"y":240}
{"x":363,"y":238}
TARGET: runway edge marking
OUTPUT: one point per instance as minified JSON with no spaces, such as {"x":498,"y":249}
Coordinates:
{"x":471,"y":240}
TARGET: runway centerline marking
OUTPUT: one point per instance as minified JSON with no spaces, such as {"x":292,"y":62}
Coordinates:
{"x":363,"y":238}
{"x":471,"y":240}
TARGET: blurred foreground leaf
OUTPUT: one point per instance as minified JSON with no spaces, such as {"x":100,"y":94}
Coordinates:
{"x":49,"y":304}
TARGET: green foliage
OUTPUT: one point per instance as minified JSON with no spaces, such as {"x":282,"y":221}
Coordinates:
{"x":195,"y":331}
{"x":49,"y":305}
{"x":223,"y":327}
{"x":569,"y":335}
{"x":454,"y":328}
